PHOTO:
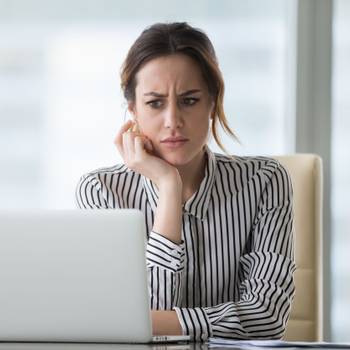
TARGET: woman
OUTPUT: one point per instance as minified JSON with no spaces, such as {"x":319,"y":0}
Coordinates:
{"x":220,"y":228}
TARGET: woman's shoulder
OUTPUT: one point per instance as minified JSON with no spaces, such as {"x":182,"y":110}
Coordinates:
{"x":257,"y":161}
{"x":103,"y":187}
{"x":251,"y":165}
{"x":103,"y":175}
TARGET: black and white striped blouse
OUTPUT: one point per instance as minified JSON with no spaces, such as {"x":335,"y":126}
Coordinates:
{"x":232,"y":275}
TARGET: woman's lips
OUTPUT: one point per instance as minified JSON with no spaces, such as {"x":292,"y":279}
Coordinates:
{"x":174,"y":144}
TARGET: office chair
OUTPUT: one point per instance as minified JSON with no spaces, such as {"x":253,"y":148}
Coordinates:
{"x":306,"y":319}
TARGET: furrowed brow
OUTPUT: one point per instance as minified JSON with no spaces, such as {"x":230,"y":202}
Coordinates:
{"x":186,"y":93}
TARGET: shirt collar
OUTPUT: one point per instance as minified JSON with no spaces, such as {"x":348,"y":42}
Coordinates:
{"x":198,"y":204}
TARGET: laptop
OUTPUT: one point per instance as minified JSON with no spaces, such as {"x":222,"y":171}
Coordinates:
{"x":75,"y":276}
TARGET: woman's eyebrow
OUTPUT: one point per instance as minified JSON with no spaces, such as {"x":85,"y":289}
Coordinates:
{"x":156,"y":94}
{"x":189,"y":92}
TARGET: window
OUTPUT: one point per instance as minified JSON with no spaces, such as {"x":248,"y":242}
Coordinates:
{"x":60,"y":101}
{"x":340,"y":172}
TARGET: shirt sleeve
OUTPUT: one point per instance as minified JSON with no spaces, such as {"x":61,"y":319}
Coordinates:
{"x":164,"y":258}
{"x":266,"y":275}
{"x":165,"y":263}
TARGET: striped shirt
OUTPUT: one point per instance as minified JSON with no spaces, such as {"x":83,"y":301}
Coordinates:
{"x":232,"y":274}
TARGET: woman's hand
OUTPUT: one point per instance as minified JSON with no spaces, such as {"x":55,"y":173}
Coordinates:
{"x":136,"y":150}
{"x":165,"y":322}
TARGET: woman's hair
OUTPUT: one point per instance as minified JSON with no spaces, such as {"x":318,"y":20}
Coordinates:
{"x":163,"y":39}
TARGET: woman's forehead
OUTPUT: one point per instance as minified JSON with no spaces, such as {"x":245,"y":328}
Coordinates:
{"x":179,"y":71}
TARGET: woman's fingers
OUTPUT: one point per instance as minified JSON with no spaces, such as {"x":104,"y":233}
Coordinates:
{"x":148,"y":145}
{"x":125,"y":127}
{"x":138,"y":154}
{"x":132,"y":145}
{"x":140,"y":146}
{"x":118,"y":141}
{"x":135,"y":128}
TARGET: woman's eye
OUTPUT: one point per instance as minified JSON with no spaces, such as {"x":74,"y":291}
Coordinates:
{"x":189,"y":101}
{"x":155,"y":103}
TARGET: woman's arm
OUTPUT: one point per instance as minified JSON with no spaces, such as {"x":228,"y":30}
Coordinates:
{"x":168,"y":216}
{"x":165,"y":249}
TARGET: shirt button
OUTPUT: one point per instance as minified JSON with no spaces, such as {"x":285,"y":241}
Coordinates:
{"x":174,"y":252}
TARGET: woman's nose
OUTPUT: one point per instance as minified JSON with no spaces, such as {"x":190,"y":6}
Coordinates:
{"x":173,"y":118}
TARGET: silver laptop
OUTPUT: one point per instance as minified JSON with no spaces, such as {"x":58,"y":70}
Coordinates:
{"x":74,"y":276}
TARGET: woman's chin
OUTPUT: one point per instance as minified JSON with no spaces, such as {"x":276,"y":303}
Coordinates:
{"x":176,"y":159}
{"x":179,"y":157}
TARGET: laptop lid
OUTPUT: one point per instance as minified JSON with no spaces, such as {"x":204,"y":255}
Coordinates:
{"x":73,"y":275}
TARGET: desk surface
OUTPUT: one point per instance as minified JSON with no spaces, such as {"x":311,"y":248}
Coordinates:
{"x":94,"y":346}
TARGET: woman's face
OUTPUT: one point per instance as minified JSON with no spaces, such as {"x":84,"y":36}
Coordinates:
{"x":172,"y":100}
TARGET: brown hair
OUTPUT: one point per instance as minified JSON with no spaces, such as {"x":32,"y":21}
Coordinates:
{"x":162,"y":39}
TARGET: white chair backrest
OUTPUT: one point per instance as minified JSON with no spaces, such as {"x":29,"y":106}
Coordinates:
{"x":306,"y":319}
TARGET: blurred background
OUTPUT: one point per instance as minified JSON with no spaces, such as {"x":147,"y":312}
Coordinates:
{"x":61,"y":103}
